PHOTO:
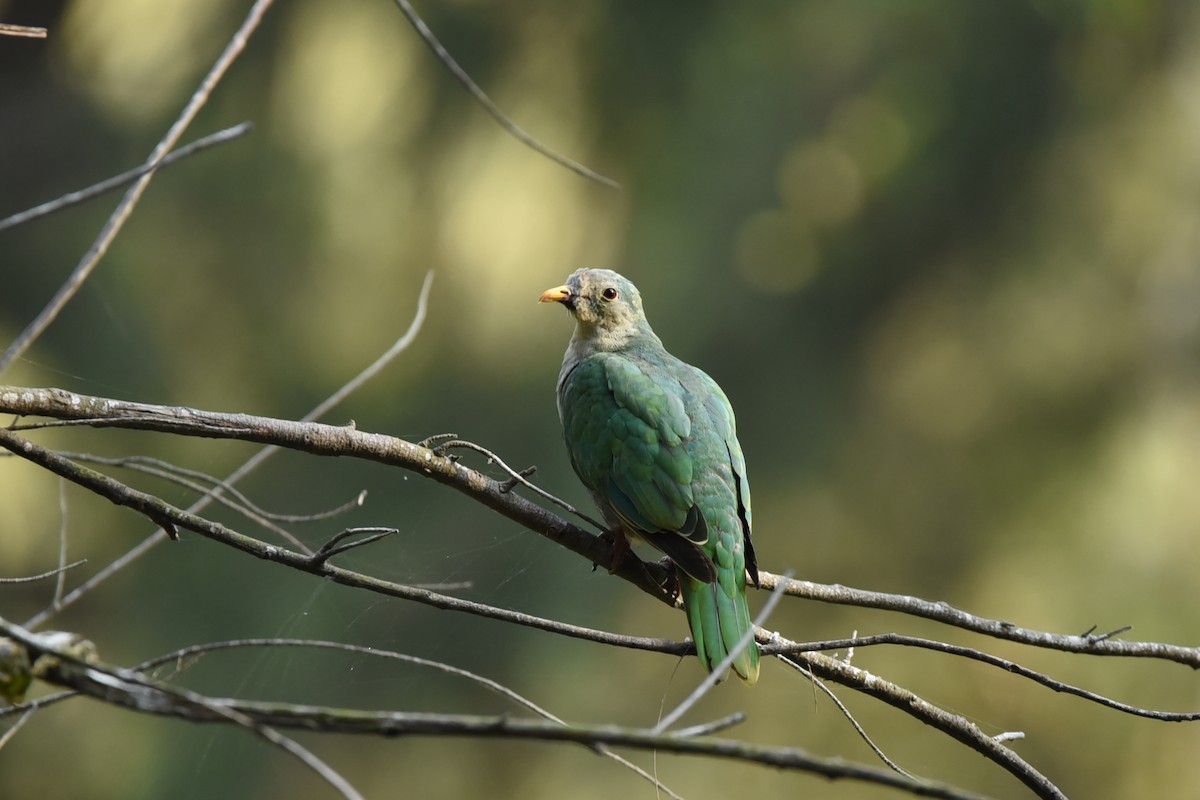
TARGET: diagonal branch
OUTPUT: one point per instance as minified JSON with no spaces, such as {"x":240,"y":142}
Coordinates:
{"x":957,"y":727}
{"x":490,"y":107}
{"x":328,"y":440}
{"x":117,"y":181}
{"x":177,"y":519}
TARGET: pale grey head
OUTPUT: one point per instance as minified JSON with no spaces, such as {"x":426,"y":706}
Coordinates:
{"x":607,"y":310}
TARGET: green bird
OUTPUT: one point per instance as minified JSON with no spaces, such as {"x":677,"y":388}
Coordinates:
{"x":654,"y":441}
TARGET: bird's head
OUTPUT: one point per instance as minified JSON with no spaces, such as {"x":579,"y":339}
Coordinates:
{"x":606,"y":306}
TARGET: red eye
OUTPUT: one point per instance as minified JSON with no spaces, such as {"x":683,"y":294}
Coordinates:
{"x":609,"y":294}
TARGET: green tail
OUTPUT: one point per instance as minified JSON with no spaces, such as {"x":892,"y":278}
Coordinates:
{"x":718,"y":620}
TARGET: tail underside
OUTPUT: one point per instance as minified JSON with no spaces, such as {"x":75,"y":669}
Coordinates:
{"x":719,"y":618}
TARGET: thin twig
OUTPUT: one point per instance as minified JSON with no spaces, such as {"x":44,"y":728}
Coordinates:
{"x":377,"y":366}
{"x":47,"y":574}
{"x":22,"y":31}
{"x":955,"y":726}
{"x":709,"y":728}
{"x":719,"y":669}
{"x":1000,"y":629}
{"x":986,"y":658}
{"x":176,"y":475}
{"x":62,"y":543}
{"x":491,"y":108}
{"x":16,"y":726}
{"x":817,"y":682}
{"x":117,"y":181}
{"x":34,"y":705}
{"x":168,"y":471}
{"x":332,"y":547}
{"x":518,"y":477}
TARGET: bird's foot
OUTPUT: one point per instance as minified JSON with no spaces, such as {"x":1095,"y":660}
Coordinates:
{"x":620,"y":547}
{"x":670,"y":584}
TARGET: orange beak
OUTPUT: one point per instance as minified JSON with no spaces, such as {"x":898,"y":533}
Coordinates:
{"x":559,"y":294}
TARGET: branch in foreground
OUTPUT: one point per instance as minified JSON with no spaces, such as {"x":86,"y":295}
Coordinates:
{"x":133,"y":690}
{"x":22,"y":31}
{"x":183,"y":655}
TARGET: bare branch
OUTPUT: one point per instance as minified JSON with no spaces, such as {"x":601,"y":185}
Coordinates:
{"x":948,"y":614}
{"x":43,"y":575}
{"x":491,"y":108}
{"x":22,"y":31}
{"x":117,"y":181}
{"x":332,"y":547}
{"x":986,"y":658}
{"x":328,"y":440}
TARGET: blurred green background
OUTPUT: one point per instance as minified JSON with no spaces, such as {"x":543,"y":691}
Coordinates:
{"x":942,"y":256}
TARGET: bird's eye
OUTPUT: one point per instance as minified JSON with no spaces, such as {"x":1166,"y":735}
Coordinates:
{"x":609,"y":294}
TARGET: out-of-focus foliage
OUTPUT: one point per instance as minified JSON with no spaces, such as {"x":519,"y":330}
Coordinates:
{"x":943,"y":257}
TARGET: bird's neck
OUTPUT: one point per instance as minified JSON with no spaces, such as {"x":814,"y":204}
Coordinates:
{"x":590,"y":339}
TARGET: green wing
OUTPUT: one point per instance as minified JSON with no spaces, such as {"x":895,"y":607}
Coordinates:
{"x":627,"y":428}
{"x":655,"y":442}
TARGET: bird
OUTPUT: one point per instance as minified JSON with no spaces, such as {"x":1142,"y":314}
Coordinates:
{"x":654,"y":441}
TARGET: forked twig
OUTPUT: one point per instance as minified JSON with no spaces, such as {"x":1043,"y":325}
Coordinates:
{"x":516,"y":477}
{"x":337,"y":544}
